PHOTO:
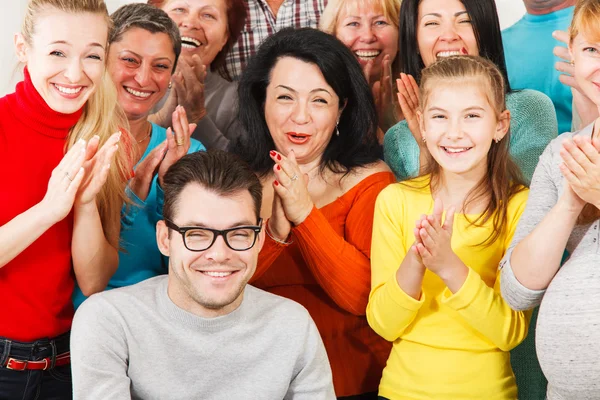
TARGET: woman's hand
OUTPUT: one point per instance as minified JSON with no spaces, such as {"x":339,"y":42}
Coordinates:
{"x":408,"y":98}
{"x":581,"y":169}
{"x":188,"y":82}
{"x":96,"y":167}
{"x":291,"y":186}
{"x":145,"y":170}
{"x":278,"y":224}
{"x":178,"y":141}
{"x":383,"y":96}
{"x":64,"y":183}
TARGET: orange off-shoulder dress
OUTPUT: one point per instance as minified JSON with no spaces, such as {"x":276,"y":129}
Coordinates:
{"x":327,"y":269}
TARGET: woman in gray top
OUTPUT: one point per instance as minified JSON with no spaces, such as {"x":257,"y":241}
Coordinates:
{"x":563,"y":213}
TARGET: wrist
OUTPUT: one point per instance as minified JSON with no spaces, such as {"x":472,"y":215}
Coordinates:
{"x":298,"y":221}
{"x":86,"y":208}
{"x":44,"y":216}
{"x":569,"y":209}
{"x":277,"y":237}
{"x":453,"y":271}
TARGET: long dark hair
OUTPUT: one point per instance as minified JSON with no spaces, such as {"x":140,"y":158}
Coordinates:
{"x":356,"y":145}
{"x":486,"y":27}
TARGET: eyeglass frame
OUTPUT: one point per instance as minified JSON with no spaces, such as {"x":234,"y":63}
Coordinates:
{"x":182,"y":230}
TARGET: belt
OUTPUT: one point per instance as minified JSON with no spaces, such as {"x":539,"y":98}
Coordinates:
{"x":43,"y":364}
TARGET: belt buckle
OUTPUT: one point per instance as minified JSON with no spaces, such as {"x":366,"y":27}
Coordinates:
{"x":11,"y":360}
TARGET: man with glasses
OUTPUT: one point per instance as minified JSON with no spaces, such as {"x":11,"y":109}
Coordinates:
{"x":201,"y":332}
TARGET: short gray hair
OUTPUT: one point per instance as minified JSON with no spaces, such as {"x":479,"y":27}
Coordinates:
{"x":144,"y":16}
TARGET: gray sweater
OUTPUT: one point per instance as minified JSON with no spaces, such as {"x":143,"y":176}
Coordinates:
{"x":135,"y":343}
{"x":568,"y":326}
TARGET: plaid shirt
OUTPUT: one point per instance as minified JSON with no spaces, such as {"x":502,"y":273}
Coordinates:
{"x":261,"y":23}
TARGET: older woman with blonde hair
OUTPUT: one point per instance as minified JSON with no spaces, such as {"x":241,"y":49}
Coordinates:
{"x":370,"y":30}
{"x":59,"y":220}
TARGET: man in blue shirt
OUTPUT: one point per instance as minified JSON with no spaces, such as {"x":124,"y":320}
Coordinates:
{"x":528,"y":46}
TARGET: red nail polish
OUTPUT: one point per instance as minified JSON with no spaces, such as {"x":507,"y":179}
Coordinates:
{"x":278,"y":156}
{"x":272,"y":153}
{"x":278,"y":168}
{"x":276,"y":183}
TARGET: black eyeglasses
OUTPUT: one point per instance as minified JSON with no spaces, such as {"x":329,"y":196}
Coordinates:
{"x":238,"y":238}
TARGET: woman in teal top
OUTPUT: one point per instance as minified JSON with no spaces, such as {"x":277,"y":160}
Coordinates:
{"x":430,"y":29}
{"x":144,"y":47}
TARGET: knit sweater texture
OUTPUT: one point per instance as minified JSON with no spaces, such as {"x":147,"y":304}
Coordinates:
{"x":36,"y":286}
{"x":135,"y":343}
{"x":533,"y":126}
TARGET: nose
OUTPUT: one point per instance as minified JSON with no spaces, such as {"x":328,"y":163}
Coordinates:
{"x":455,"y":131}
{"x":366,"y":34}
{"x":301,"y":114}
{"x":190,"y":22}
{"x":142,"y":74}
{"x":449,"y":33}
{"x":74,"y":71}
{"x":219,"y":251}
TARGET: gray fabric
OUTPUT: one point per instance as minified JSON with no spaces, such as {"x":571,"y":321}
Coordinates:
{"x":567,"y":332}
{"x":135,"y":343}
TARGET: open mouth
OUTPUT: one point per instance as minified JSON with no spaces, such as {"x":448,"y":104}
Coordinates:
{"x":367,"y":55}
{"x":298,"y":138}
{"x":455,"y":150}
{"x":190,"y":43}
{"x":138,"y":93}
{"x":68,"y":90}
{"x":450,"y":53}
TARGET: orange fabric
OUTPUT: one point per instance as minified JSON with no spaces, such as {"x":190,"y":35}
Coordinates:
{"x":327,"y":269}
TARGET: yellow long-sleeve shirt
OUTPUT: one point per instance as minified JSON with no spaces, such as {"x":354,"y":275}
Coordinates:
{"x":446,"y":346}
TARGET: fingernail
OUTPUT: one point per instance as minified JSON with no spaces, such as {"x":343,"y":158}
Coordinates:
{"x":278,"y":156}
{"x":278,"y":168}
{"x":81,"y":141}
{"x":272,"y":153}
{"x":276,"y":183}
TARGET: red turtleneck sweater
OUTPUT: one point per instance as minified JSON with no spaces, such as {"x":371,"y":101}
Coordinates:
{"x":35,"y":287}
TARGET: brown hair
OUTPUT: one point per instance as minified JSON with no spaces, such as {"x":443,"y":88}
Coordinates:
{"x":503,"y":179}
{"x":586,"y":20}
{"x":215,"y":170}
{"x":101,"y":116}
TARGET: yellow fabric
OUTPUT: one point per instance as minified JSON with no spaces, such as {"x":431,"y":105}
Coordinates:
{"x":446,"y":346}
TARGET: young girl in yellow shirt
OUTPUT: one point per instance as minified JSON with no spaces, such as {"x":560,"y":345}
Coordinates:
{"x":435,"y":283}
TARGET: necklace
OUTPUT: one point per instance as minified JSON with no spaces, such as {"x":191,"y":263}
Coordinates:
{"x":148,"y":135}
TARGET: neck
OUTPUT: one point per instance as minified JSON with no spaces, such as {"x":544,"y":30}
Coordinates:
{"x":453,"y":188}
{"x":139,"y":128}
{"x":547,"y":7}
{"x":311,"y":168}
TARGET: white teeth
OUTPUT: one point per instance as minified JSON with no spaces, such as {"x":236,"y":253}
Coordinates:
{"x":189,"y":42}
{"x":455,"y":150}
{"x":138,"y":94}
{"x":367,"y":54}
{"x":448,"y":53}
{"x":217,"y":274}
{"x":68,"y":90}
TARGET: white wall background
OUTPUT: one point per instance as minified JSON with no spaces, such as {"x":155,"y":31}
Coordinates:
{"x":12,"y":13}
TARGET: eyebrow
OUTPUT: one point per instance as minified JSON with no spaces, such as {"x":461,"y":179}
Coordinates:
{"x":198,"y":224}
{"x":312,"y":91}
{"x":466,"y":109}
{"x":137,"y":55}
{"x":456,"y":14}
{"x":93,"y":44}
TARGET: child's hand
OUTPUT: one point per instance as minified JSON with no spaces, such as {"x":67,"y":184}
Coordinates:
{"x":435,"y":248}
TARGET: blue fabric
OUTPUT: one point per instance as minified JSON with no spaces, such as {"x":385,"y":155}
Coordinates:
{"x":140,"y":258}
{"x":528,"y":47}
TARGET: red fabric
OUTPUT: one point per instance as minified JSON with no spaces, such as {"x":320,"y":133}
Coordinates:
{"x":36,"y":286}
{"x":327,"y":270}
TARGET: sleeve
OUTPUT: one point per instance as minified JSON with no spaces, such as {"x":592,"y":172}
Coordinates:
{"x":533,"y":127}
{"x":390,"y":311}
{"x":99,"y":353}
{"x":543,"y":195}
{"x":401,"y":151}
{"x":312,"y":374}
{"x":483,"y":307}
{"x":267,"y":256}
{"x":341,"y":264}
{"x":130,"y":211}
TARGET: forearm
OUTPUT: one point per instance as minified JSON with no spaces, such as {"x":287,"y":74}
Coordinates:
{"x":536,"y":259}
{"x":410,"y":276}
{"x":95,"y":260}
{"x":20,"y":232}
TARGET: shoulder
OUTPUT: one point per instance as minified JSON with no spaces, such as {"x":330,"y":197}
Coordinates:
{"x":277,"y":309}
{"x":529,"y":101}
{"x":158,"y":132}
{"x":512,"y":30}
{"x":556,"y":144}
{"x":377,"y":173}
{"x":413,"y":190}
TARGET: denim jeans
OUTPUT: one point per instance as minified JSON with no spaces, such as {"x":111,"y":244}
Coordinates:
{"x":52,"y":384}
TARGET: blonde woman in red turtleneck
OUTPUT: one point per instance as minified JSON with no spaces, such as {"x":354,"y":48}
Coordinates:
{"x":59,"y":219}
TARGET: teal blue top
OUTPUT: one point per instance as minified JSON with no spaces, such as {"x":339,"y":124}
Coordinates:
{"x":139,"y":258}
{"x":528,"y":47}
{"x":532,"y":126}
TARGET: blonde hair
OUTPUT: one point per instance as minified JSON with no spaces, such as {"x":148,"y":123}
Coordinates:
{"x":101,"y":115}
{"x":331,"y":14}
{"x":503,"y":179}
{"x":586,"y":20}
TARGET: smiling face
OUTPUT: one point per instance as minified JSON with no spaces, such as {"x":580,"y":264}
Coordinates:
{"x":365,"y":30}
{"x":301,"y":109}
{"x":140,"y":65}
{"x":459,"y":124}
{"x":202,"y":26}
{"x":65,"y":57}
{"x":444,"y":29}
{"x":586,"y":56}
{"x":209,"y":282}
